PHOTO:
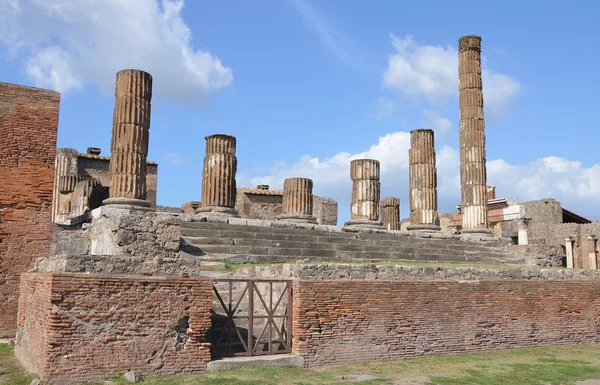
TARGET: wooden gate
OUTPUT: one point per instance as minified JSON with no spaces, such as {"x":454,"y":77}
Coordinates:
{"x":251,"y":317}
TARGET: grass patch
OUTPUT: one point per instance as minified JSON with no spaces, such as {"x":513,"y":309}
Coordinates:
{"x":539,"y":366}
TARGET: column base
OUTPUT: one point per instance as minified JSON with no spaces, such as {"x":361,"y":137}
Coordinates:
{"x":477,"y":230}
{"x":217,"y":211}
{"x":128,"y":203}
{"x":364,"y":223}
{"x":300,"y":218}
{"x":424,"y":228}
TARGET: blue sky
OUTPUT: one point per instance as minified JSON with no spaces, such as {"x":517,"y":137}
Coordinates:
{"x":308,"y":85}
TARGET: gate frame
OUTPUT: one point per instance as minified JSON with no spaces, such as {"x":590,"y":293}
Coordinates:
{"x":251,"y":343}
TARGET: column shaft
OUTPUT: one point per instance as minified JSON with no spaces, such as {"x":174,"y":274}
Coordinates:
{"x":364,"y":209}
{"x":218,"y":175}
{"x":390,"y":213}
{"x":298,"y":200}
{"x":592,"y":254}
{"x":569,"y":251}
{"x":423,"y":181}
{"x":473,"y":177}
{"x":130,"y":136}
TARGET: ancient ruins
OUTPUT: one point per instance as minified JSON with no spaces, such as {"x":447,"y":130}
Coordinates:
{"x":97,"y":279}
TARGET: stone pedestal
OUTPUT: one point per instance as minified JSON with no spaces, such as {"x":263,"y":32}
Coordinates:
{"x":129,"y":143}
{"x":297,"y":200}
{"x":423,"y":182}
{"x":473,"y":177}
{"x":390,"y":213}
{"x":218,"y":176}
{"x":569,"y":241}
{"x":364,"y":209}
{"x":592,"y":253}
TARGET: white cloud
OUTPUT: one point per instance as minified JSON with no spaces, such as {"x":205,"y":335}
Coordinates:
{"x":384,"y":108}
{"x":68,"y":43}
{"x":175,"y":158}
{"x":431,"y":72}
{"x":441,"y":125}
{"x":575,"y":186}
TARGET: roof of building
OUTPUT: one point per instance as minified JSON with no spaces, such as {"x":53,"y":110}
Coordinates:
{"x":571,"y":217}
{"x":258,"y":191}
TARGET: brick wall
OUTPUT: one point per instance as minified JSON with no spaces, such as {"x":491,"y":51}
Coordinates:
{"x":81,"y":327}
{"x":28,"y":129}
{"x":343,"y":322}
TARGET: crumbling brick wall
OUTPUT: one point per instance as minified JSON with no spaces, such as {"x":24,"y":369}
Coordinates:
{"x":81,"y":327}
{"x":344,"y":322}
{"x":28,"y":130}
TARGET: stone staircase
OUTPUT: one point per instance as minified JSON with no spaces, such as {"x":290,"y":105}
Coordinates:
{"x":279,"y":243}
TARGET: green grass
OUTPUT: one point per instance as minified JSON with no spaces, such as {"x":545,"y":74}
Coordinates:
{"x":539,"y":366}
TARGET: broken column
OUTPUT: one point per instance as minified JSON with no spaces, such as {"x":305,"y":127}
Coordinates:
{"x":569,"y":241}
{"x":390,"y":213}
{"x":522,"y":231}
{"x":423,"y":182}
{"x":364,"y":209}
{"x":298,"y":200}
{"x":592,"y":254}
{"x":473,"y":177}
{"x":129,"y":143}
{"x":218,"y":176}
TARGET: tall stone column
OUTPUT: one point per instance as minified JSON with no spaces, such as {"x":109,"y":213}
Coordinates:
{"x":218,"y":176}
{"x":473,"y":177}
{"x":569,"y":241}
{"x":364,"y":209}
{"x":130,"y":136}
{"x":423,"y":182}
{"x":298,"y":200}
{"x":390,"y":213}
{"x":592,"y":254}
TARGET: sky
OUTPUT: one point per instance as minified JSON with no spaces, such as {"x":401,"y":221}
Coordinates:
{"x":308,"y":85}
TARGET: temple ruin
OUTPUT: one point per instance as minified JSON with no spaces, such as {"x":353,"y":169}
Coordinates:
{"x":97,"y":279}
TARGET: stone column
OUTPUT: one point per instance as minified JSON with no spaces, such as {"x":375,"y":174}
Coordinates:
{"x":473,"y":177}
{"x":298,"y":200}
{"x":423,"y":182}
{"x":364,"y":209}
{"x":390,"y":213}
{"x":522,"y":228}
{"x":65,"y":178}
{"x":592,"y":254}
{"x":218,"y":176}
{"x":129,"y":143}
{"x":569,"y":251}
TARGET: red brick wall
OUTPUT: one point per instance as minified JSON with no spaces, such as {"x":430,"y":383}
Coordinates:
{"x":28,"y":129}
{"x":342,"y":322}
{"x":89,"y":327}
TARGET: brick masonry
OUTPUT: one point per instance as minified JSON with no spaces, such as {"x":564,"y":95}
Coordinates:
{"x":344,"y":322}
{"x":28,"y":130}
{"x":78,"y":327}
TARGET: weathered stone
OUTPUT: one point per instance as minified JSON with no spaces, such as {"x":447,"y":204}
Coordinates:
{"x":218,"y":176}
{"x":390,"y":213}
{"x":423,"y":182}
{"x":130,"y":135}
{"x":132,"y":376}
{"x":473,"y":176}
{"x":297,"y":200}
{"x":364,"y":209}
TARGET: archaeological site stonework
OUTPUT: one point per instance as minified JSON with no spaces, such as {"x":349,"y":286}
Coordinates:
{"x":28,"y":131}
{"x":97,"y":279}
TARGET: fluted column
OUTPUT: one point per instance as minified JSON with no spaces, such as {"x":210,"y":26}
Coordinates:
{"x":218,"y":176}
{"x":423,"y":182}
{"x":130,"y":135}
{"x":390,"y":213}
{"x":298,"y":200}
{"x":65,"y":178}
{"x":364,"y":209}
{"x":473,"y":177}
